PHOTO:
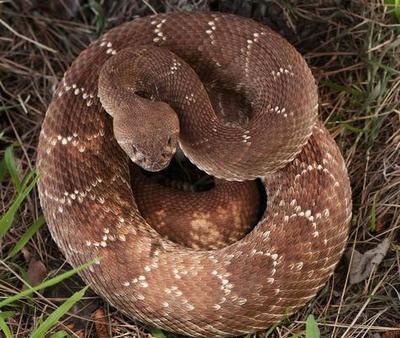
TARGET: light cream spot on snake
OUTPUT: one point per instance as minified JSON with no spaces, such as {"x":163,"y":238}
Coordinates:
{"x":315,"y":234}
{"x":282,"y":71}
{"x":189,"y":307}
{"x":266,"y":235}
{"x":210,"y":30}
{"x":144,"y":284}
{"x":216,"y":307}
{"x":190,"y":98}
{"x":296,"y":266}
{"x":157,"y":31}
{"x":249,"y":46}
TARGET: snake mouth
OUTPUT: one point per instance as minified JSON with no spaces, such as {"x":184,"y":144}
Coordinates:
{"x":155,"y":165}
{"x":164,"y":159}
{"x":144,"y":161}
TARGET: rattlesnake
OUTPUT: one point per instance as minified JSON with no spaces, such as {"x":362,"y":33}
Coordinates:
{"x":187,"y":70}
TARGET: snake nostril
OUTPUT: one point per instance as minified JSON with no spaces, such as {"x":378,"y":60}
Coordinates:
{"x":169,"y":141}
{"x":134,"y":150}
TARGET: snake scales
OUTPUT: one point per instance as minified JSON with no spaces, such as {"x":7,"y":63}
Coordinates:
{"x":208,"y":64}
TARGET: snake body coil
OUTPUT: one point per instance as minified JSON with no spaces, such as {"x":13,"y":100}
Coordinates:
{"x":187,"y":71}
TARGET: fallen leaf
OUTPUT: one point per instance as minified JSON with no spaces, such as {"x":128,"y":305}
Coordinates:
{"x":77,"y":333}
{"x":382,"y":223}
{"x":363,"y":264}
{"x":391,"y":334}
{"x":100,"y":323}
{"x":27,"y":254}
{"x":80,"y":333}
{"x":37,"y":272}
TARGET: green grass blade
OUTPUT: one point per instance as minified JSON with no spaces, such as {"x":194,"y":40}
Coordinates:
{"x":3,"y":325}
{"x":298,"y":335}
{"x":100,"y":18}
{"x":27,"y":179}
{"x":157,"y":333}
{"x":27,"y":236}
{"x":272,"y":329}
{"x":394,"y":8}
{"x":312,"y":330}
{"x":5,"y":329}
{"x":351,"y":128}
{"x":6,"y":314}
{"x":7,"y":219}
{"x":12,"y":168}
{"x":45,"y":284}
{"x":53,"y":318}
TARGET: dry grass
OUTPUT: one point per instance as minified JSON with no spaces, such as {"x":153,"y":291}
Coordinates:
{"x":354,"y":49}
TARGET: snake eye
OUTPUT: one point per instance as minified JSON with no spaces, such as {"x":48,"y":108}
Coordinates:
{"x":169,"y":141}
{"x":134,"y":150}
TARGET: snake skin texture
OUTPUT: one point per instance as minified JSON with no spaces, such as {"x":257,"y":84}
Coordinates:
{"x":203,"y":220}
{"x":209,"y":63}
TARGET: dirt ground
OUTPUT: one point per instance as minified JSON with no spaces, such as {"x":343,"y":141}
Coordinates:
{"x":353,"y":48}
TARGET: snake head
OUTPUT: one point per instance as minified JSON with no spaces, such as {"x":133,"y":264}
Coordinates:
{"x":147,"y":133}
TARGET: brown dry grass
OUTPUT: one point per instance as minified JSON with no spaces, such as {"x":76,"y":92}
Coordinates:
{"x":353,"y":47}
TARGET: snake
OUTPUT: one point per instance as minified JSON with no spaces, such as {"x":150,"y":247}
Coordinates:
{"x":241,"y":104}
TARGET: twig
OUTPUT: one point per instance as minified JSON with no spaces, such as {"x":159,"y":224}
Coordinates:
{"x":38,"y":44}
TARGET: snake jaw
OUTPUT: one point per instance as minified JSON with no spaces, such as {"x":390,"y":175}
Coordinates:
{"x":148,"y":161}
{"x":156,"y":165}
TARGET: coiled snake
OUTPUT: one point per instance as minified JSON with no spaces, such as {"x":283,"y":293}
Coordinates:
{"x":242,"y":104}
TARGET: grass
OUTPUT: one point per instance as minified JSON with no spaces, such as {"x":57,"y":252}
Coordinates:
{"x":353,"y":48}
{"x":53,"y":318}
